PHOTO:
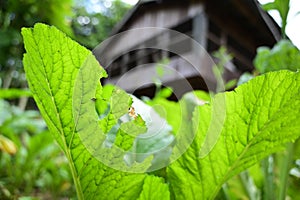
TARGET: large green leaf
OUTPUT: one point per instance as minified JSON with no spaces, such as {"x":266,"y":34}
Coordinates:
{"x":154,"y":189}
{"x":53,"y":65}
{"x":261,"y":116}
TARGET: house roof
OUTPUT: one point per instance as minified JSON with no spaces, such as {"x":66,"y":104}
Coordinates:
{"x":235,"y":12}
{"x":242,"y":23}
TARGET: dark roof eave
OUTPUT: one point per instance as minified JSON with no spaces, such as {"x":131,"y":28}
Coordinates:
{"x":253,"y":5}
{"x":118,"y":28}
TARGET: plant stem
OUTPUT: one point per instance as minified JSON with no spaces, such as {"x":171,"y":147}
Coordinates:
{"x":248,"y":185}
{"x":268,"y":168}
{"x":287,"y":160}
{"x":74,"y":175}
{"x":225,"y":192}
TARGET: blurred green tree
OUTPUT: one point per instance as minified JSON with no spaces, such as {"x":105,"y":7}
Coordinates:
{"x":88,"y":22}
{"x":95,"y":19}
{"x":14,"y":15}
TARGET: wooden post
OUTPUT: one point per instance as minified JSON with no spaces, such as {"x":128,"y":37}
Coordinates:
{"x":200,"y":29}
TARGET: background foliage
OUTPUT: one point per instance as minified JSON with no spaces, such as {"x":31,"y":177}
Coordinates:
{"x":87,"y":26}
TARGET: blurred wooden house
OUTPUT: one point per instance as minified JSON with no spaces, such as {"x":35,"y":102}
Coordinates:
{"x":130,"y":58}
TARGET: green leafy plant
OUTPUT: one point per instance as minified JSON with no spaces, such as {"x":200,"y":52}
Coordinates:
{"x":224,"y":135}
{"x":283,"y":7}
{"x":284,"y":55}
{"x":223,"y":58}
{"x":31,"y":164}
{"x":275,"y":172}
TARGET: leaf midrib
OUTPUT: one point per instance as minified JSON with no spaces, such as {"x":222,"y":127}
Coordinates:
{"x":61,"y":130}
